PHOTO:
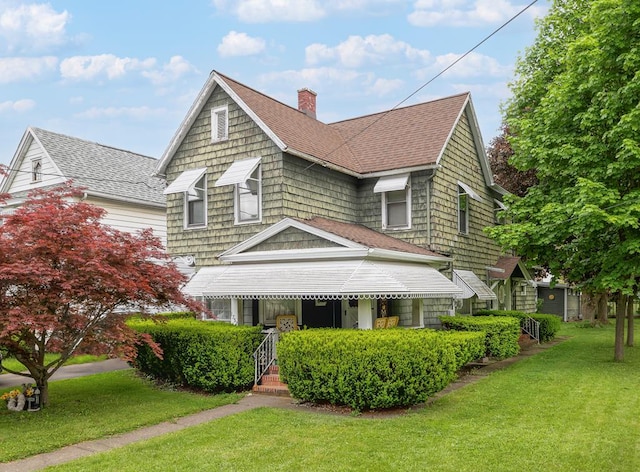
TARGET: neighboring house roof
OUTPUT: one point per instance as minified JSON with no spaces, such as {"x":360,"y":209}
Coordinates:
{"x":104,"y":170}
{"x":412,"y":137}
{"x":367,"y":237}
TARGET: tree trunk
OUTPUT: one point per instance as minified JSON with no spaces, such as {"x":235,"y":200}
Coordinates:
{"x":589,"y":306}
{"x":41,"y":379}
{"x":603,"y":309}
{"x":630,"y":311}
{"x":621,"y":311}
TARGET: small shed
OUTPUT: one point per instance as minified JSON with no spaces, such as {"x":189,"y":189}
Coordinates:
{"x":561,"y":300}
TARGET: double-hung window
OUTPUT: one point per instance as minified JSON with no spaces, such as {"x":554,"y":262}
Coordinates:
{"x":396,"y":201}
{"x":246,"y":177}
{"x":219,"y":124}
{"x":192,"y":184}
{"x":464,"y":194}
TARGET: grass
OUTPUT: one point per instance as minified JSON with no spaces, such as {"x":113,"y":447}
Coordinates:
{"x":93,"y":407}
{"x":11,"y":363}
{"x":569,"y":408}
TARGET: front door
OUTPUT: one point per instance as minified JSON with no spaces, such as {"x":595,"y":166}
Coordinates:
{"x":322,"y":313}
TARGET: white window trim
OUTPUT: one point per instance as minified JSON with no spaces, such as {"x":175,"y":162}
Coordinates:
{"x":185,"y":213}
{"x":385,"y":226}
{"x":236,"y":201}
{"x":215,"y":117}
{"x":462,"y":191}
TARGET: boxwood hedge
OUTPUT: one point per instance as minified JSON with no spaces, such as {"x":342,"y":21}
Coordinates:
{"x":549,"y":324}
{"x":210,"y":356}
{"x":372,"y":369}
{"x":501,"y":332}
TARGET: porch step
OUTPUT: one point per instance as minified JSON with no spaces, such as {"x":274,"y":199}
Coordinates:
{"x":270,"y":383}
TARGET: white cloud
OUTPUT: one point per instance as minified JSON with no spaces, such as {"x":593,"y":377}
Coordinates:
{"x":240,"y":44}
{"x":14,"y":69}
{"x":311,"y":77}
{"x":104,"y":65}
{"x":19,"y":106}
{"x":32,"y":27}
{"x":138,"y":113}
{"x":176,"y":68}
{"x":357,"y":51}
{"x":264,"y":11}
{"x":467,"y":12}
{"x":382,"y":87}
{"x":473,"y":65}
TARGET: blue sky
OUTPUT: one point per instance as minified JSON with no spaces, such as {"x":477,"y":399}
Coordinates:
{"x":124,"y":73}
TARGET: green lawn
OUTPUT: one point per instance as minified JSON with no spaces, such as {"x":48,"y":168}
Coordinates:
{"x":570,"y":408}
{"x":13,"y":364}
{"x":93,"y":407}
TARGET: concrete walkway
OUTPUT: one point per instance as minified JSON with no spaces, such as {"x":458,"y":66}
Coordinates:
{"x":249,"y":402}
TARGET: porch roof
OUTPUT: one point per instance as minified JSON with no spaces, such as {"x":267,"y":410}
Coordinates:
{"x":322,"y":280}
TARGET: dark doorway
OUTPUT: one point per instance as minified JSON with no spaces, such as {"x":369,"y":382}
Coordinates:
{"x":322,"y":313}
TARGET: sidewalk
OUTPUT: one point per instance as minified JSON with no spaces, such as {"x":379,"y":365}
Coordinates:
{"x":249,"y":402}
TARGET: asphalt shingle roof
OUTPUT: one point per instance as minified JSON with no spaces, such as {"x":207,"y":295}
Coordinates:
{"x":103,"y":170}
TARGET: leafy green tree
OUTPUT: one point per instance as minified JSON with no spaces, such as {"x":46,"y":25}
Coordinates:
{"x":575,"y":118}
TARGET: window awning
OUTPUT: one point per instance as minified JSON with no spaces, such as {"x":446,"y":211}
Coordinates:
{"x":239,"y":172}
{"x":391,"y":183}
{"x":469,"y":191}
{"x":471,"y":284}
{"x":185,"y":181}
{"x":322,"y":280}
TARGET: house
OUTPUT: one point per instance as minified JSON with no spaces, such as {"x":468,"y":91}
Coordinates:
{"x":118,"y":181}
{"x":560,"y":299}
{"x":336,"y":223}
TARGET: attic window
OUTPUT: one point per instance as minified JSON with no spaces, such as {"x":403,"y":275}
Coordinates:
{"x":219,"y":124}
{"x":36,"y":170}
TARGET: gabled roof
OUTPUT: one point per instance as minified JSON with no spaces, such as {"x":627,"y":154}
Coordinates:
{"x":350,"y":240}
{"x":104,"y":171}
{"x":412,"y":137}
{"x":506,"y":266}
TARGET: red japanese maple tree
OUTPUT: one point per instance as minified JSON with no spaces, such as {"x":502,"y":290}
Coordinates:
{"x":66,"y":279}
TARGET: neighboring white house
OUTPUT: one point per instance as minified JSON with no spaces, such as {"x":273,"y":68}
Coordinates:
{"x":118,"y":181}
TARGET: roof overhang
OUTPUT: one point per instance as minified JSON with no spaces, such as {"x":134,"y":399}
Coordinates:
{"x":322,"y":280}
{"x":471,"y":285}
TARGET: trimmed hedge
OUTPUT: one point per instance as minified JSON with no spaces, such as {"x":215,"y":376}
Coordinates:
{"x":370,"y":369}
{"x":211,"y":356}
{"x":549,"y":324}
{"x":501,"y":333}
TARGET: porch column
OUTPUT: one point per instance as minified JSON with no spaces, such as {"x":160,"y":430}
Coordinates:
{"x":365,"y":319}
{"x":234,"y":311}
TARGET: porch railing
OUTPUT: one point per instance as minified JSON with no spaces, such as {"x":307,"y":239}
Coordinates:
{"x":265,"y":355}
{"x":532,"y":328}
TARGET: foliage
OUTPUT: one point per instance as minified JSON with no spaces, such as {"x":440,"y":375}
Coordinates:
{"x":506,"y":175}
{"x":501,"y":333}
{"x":574,"y":117}
{"x":370,"y":369}
{"x":207,"y":355}
{"x":516,"y":419}
{"x":65,"y":277}
{"x":549,"y":324}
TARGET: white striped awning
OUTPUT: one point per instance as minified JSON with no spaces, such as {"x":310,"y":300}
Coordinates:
{"x":322,"y":280}
{"x":469,"y":191}
{"x":238,"y":172}
{"x":391,"y":183}
{"x":471,"y":284}
{"x":185,"y":181}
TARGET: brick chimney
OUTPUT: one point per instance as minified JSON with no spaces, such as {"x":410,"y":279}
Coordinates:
{"x":307,"y":102}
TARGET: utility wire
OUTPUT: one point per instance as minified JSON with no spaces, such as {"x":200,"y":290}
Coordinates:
{"x":384,"y":114}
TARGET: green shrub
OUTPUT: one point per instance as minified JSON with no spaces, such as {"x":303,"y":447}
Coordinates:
{"x":549,"y":324}
{"x":210,"y":356}
{"x":469,"y":345}
{"x":501,"y":333}
{"x":370,"y":369}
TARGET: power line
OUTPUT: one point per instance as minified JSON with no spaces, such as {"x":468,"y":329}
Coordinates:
{"x":384,"y":114}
